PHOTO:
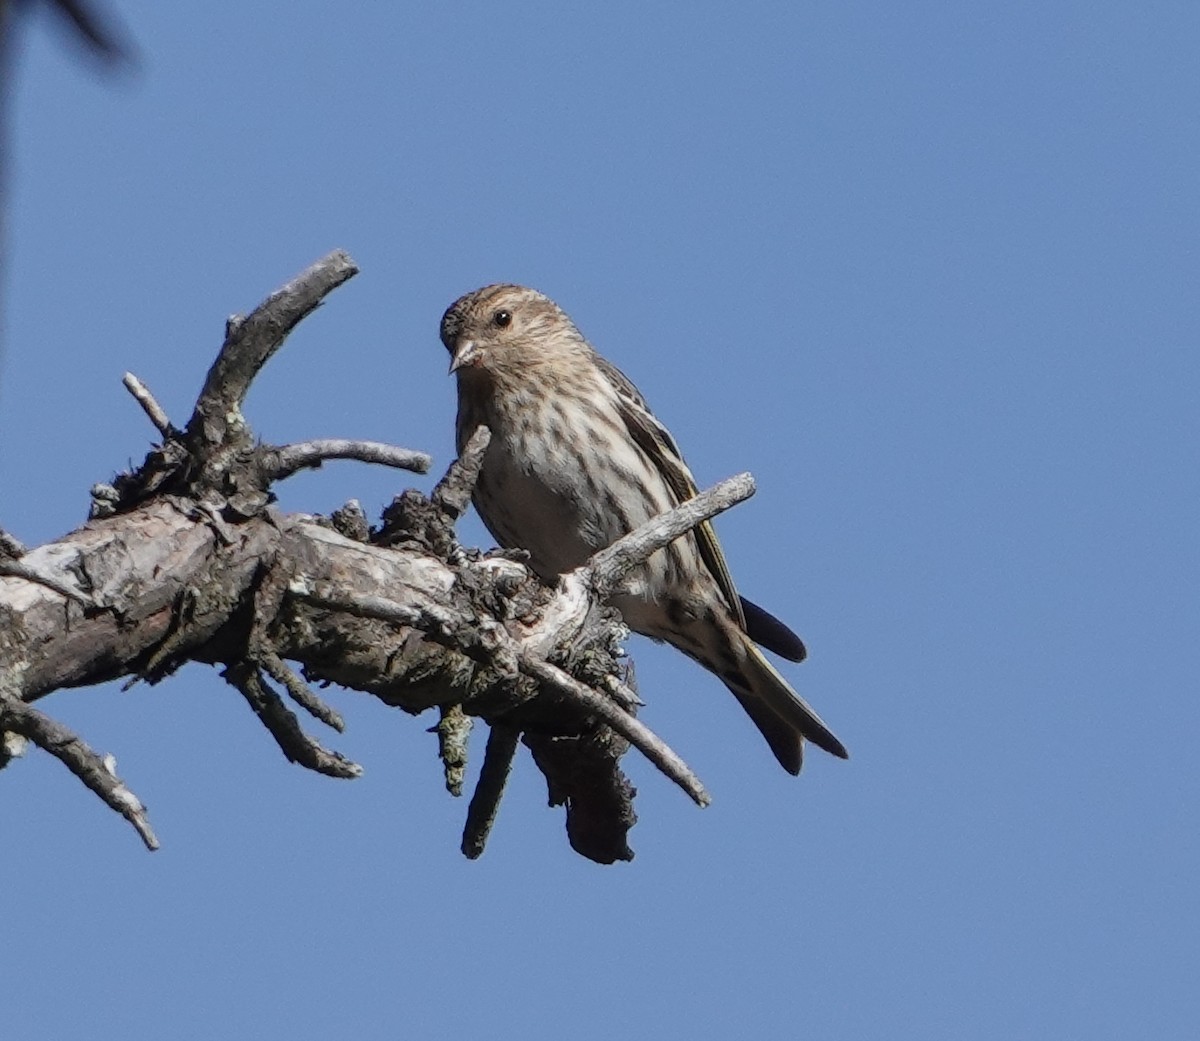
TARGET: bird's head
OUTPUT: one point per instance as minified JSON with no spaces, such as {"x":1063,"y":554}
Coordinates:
{"x":507,"y":328}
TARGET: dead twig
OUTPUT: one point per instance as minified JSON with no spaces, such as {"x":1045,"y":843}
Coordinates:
{"x":299,"y":691}
{"x":150,"y":406}
{"x":493,"y":776}
{"x":283,"y":726}
{"x":452,"y":494}
{"x":286,"y":460}
{"x":250,"y":341}
{"x":609,"y":566}
{"x":630,"y":727}
{"x":97,"y":772}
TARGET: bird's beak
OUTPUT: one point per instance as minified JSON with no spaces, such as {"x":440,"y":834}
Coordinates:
{"x":466,"y":353}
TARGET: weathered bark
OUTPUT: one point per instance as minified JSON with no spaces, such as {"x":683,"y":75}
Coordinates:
{"x":186,"y":559}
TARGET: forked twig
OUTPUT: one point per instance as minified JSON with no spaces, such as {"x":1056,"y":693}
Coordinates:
{"x":283,"y":726}
{"x":250,"y":341}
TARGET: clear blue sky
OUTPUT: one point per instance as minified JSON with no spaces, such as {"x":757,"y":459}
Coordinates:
{"x":929,"y":270}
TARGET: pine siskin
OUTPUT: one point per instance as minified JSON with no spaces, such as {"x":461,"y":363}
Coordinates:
{"x":576,"y":461}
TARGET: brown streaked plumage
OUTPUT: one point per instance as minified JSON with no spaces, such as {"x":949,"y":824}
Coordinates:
{"x":577,"y":460}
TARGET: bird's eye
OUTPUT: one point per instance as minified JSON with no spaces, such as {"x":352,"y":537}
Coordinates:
{"x":503,"y":319}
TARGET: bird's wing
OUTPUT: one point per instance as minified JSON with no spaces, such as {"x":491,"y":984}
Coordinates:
{"x":656,"y":441}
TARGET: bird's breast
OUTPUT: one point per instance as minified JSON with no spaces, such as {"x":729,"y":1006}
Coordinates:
{"x":563,"y":479}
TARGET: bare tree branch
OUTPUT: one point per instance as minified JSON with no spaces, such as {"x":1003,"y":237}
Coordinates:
{"x":493,"y":776}
{"x":453,"y":492}
{"x":611,"y":565}
{"x":637,"y":733}
{"x":98,"y":772}
{"x":494,"y":646}
{"x":310,"y":454}
{"x":152,"y":408}
{"x":282,"y":724}
{"x":250,"y":342}
{"x":300,"y":692}
{"x":185,"y":559}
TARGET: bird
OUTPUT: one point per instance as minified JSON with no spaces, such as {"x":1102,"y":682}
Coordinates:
{"x":576,"y":460}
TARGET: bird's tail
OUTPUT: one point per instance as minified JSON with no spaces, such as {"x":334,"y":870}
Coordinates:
{"x":780,"y":714}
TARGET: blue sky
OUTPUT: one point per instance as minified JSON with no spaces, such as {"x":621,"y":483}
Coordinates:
{"x":928,"y":270}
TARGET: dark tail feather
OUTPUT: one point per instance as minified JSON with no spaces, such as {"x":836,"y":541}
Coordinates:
{"x":768,"y":631}
{"x":719,"y":643}
{"x":777,"y":710}
{"x":785,"y":741}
